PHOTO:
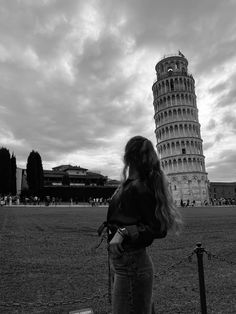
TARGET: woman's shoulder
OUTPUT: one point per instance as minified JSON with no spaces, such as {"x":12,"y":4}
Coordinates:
{"x":140,"y":186}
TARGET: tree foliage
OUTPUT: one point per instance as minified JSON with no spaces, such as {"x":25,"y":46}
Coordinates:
{"x":34,"y":170}
{"x":13,"y":174}
{"x":5,"y":171}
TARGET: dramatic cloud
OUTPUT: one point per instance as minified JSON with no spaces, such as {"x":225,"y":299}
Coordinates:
{"x":229,"y":120}
{"x":76,"y":76}
{"x":211,"y":125}
{"x":207,"y":145}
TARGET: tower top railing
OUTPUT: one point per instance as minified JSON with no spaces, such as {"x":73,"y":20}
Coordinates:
{"x":171,"y":55}
{"x":179,"y":54}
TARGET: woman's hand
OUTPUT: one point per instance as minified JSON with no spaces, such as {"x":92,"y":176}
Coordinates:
{"x":115,"y":245}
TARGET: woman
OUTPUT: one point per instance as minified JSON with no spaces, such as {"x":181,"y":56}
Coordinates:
{"x":140,"y":211}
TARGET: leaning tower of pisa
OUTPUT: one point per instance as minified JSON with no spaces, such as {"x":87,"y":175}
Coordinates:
{"x":179,"y":142}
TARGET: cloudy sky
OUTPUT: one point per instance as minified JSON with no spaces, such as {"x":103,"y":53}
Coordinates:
{"x":76,"y":77}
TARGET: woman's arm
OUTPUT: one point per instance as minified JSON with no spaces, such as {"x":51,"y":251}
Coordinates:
{"x":145,"y":232}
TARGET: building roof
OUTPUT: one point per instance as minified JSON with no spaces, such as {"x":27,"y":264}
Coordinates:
{"x":59,"y":174}
{"x":91,"y":174}
{"x":112,"y":182}
{"x":222,"y":183}
{"x":68,"y":167}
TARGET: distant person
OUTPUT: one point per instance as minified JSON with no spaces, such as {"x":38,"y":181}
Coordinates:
{"x":94,"y":201}
{"x":17,"y":200}
{"x":54,"y":201}
{"x":2,"y":202}
{"x":47,"y":200}
{"x":140,"y":211}
{"x":35,"y":200}
{"x":26,"y":200}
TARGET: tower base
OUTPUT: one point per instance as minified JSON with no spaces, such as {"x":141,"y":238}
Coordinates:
{"x":191,"y":188}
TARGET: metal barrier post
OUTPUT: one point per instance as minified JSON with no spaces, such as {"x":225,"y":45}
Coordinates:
{"x":199,"y":251}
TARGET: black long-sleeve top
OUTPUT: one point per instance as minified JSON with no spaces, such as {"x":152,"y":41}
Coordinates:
{"x":134,"y":208}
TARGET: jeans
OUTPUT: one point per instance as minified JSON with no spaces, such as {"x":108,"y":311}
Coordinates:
{"x":133,"y":282}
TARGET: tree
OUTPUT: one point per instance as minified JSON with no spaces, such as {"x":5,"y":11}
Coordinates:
{"x":34,"y":171}
{"x":5,"y":171}
{"x":13,"y":174}
{"x":66,"y":179}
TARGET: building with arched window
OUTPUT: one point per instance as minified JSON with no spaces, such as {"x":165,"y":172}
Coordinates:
{"x":67,"y":181}
{"x":178,"y":135}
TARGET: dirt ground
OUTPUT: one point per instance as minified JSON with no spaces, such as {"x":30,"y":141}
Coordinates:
{"x":48,"y":264}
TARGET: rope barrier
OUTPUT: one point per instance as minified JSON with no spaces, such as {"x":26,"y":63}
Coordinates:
{"x":222,"y":259}
{"x":174,"y":265}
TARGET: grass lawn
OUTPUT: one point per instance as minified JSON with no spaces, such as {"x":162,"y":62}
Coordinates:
{"x":46,"y":265}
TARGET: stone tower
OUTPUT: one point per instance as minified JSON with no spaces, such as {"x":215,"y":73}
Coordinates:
{"x":179,"y":142}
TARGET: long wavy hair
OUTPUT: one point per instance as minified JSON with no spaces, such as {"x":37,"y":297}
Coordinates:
{"x":141,"y":156}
